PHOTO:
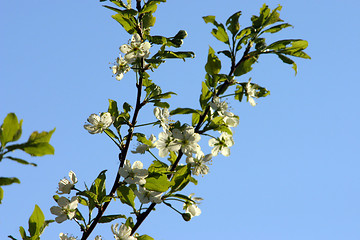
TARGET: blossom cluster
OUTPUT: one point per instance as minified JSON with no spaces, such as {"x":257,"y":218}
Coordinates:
{"x":133,"y":51}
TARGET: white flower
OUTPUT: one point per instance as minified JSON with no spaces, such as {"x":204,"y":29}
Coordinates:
{"x":65,"y":185}
{"x":221,"y":144}
{"x":146,"y":196}
{"x":163,"y":116}
{"x":188,"y":140}
{"x":166,"y":143}
{"x":218,"y":106}
{"x":142,"y":148}
{"x":98,"y":238}
{"x":136,"y":49}
{"x":231,"y":119}
{"x":66,"y":209}
{"x":120,"y":68}
{"x":250,"y":90}
{"x":64,"y":236}
{"x":122,"y":233}
{"x":134,"y":174}
{"x":191,"y":206}
{"x":199,"y":163}
{"x":97,"y":123}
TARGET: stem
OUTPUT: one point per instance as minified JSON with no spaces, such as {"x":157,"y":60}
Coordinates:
{"x":122,"y":155}
{"x":145,"y":124}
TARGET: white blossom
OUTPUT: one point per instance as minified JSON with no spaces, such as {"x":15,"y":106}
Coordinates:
{"x":251,"y":91}
{"x":134,"y":174}
{"x":136,"y":49}
{"x":66,"y":209}
{"x":142,"y":148}
{"x":146,"y":196}
{"x":166,"y":143}
{"x":199,"y":163}
{"x":66,"y":185}
{"x":221,"y":144}
{"x":98,"y":123}
{"x":218,"y":106}
{"x":163,"y":116}
{"x":122,"y":233}
{"x":64,"y":236}
{"x":98,"y":238}
{"x":188,"y":140}
{"x":191,"y":206}
{"x":120,"y":68}
{"x":231,"y":119}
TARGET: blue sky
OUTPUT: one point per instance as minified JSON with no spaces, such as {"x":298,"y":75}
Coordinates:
{"x":294,"y":169}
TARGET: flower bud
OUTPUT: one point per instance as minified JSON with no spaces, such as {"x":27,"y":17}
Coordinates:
{"x":186,"y":216}
{"x":181,"y":34}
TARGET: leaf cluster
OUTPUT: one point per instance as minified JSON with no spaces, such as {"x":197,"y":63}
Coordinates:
{"x":37,"y":145}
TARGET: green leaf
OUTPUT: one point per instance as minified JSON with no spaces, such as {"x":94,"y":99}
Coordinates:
{"x":181,"y":55}
{"x":113,"y":109}
{"x":126,"y":20}
{"x":1,"y":194}
{"x":239,"y":93}
{"x":181,"y":178}
{"x":295,"y":44}
{"x":164,"y":95}
{"x":288,"y":61}
{"x":245,"y":66}
{"x":226,"y":53}
{"x":148,"y":20}
{"x":10,"y":130}
{"x":37,"y":144}
{"x":213,"y":65}
{"x":233,"y":23}
{"x":221,"y":34}
{"x":205,"y":96}
{"x":144,"y":237}
{"x":276,"y":28}
{"x":184,"y":111}
{"x":8,"y":181}
{"x":157,"y":182}
{"x":158,"y":167}
{"x":109,"y":218}
{"x":126,"y":195}
{"x":195,"y":118}
{"x":21,"y":161}
{"x":117,"y":2}
{"x":98,"y":187}
{"x":151,"y":6}
{"x":36,"y":221}
{"x":23,"y":233}
{"x":157,"y":103}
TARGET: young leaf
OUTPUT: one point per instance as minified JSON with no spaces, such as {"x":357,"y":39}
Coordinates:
{"x":21,"y":161}
{"x":126,"y":195}
{"x":10,"y":130}
{"x":276,"y":28}
{"x":213,"y":65}
{"x":1,"y":194}
{"x":8,"y":181}
{"x":157,"y":182}
{"x":245,"y":66}
{"x":233,"y":23}
{"x":184,"y":111}
{"x":144,"y":237}
{"x":205,"y":96}
{"x":288,"y":61}
{"x":181,"y":178}
{"x":109,"y":218}
{"x":36,"y":222}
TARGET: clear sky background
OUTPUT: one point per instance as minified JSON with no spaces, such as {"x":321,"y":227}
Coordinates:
{"x":293,"y":172}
